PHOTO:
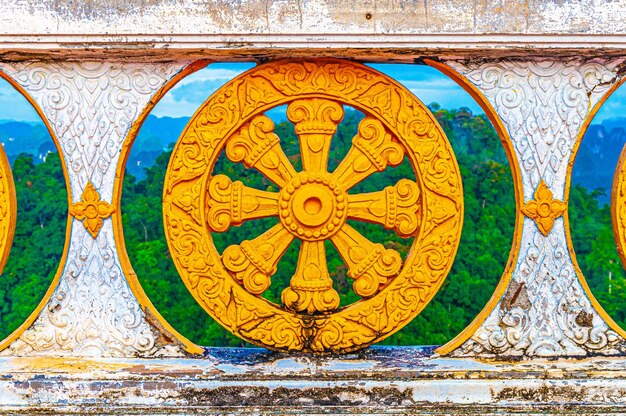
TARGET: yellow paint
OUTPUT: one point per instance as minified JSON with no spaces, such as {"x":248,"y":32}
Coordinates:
{"x":491,"y":113}
{"x":118,"y":229}
{"x":5,"y":343}
{"x":8,"y":208}
{"x":544,"y":209}
{"x":618,"y":205}
{"x":313,"y":206}
{"x":91,"y":210}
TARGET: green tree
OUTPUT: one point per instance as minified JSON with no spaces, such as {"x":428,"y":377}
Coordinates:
{"x":39,"y":238}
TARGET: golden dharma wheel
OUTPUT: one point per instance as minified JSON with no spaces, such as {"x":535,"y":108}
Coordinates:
{"x":313,"y":206}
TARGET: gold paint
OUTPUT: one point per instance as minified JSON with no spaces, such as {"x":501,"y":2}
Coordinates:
{"x":503,"y":284}
{"x":8,"y":208}
{"x":618,"y":206}
{"x":91,"y":210}
{"x":5,"y":343}
{"x":568,"y":236}
{"x":396,"y":208}
{"x":544,"y":209}
{"x":507,"y":143}
{"x":313,"y":206}
{"x":172,"y":335}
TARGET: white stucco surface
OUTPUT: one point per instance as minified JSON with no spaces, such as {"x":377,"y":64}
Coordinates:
{"x":252,"y":24}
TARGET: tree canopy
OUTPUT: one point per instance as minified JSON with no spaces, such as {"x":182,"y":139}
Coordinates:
{"x":479,"y":263}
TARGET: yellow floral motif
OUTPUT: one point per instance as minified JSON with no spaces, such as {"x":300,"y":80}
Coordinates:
{"x":91,"y":210}
{"x":312,"y":206}
{"x":544,"y":209}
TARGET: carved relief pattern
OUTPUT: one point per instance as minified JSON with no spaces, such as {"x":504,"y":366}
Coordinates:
{"x":313,"y":206}
{"x":91,"y":210}
{"x":8,"y":208}
{"x":545,"y":310}
{"x":396,"y":208}
{"x":544,"y":209}
{"x":90,"y":107}
{"x":618,"y":207}
{"x":231,"y":203}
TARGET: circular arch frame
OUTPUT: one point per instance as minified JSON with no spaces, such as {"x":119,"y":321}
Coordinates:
{"x":257,"y":320}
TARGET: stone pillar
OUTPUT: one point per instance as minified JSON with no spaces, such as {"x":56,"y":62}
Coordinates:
{"x":93,"y":310}
{"x":542,"y":306}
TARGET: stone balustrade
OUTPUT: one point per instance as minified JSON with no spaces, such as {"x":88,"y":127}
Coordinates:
{"x":94,"y":71}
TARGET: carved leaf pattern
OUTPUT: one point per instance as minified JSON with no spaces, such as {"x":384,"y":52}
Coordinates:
{"x":543,"y":104}
{"x":398,"y":125}
{"x":91,"y":107}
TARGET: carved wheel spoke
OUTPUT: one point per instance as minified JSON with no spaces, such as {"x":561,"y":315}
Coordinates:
{"x":313,"y":206}
{"x":311,"y":288}
{"x":395,"y":208}
{"x":232,"y":203}
{"x":371,"y":265}
{"x":252,"y":263}
{"x":372,"y":151}
{"x":257,"y":146}
{"x":315,"y":122}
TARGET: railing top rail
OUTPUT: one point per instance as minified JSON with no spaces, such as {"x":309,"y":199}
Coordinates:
{"x":243,"y":27}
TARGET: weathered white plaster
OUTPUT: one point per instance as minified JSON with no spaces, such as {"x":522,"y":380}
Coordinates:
{"x":380,"y":381}
{"x":543,"y":103}
{"x":90,"y":107}
{"x":220,"y":24}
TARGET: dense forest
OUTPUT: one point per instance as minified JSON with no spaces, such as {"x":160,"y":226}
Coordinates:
{"x":483,"y":252}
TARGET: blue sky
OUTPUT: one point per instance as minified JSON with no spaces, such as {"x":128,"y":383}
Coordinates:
{"x":428,"y":84}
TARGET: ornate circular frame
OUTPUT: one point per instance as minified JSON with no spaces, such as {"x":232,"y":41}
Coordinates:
{"x":258,"y":320}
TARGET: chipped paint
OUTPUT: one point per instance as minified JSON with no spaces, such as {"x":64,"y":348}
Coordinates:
{"x":409,"y":379}
{"x":378,"y":380}
{"x":172,"y":27}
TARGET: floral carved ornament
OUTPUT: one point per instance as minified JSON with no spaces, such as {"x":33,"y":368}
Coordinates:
{"x":312,"y":206}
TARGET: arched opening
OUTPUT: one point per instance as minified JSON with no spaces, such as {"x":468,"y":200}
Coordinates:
{"x":42,"y":202}
{"x":589,"y":208}
{"x":488,"y":189}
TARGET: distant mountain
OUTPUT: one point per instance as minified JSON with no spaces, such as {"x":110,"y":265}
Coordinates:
{"x":156,"y":135}
{"x":598,"y":155}
{"x":23,"y":137}
{"x":594,"y":168}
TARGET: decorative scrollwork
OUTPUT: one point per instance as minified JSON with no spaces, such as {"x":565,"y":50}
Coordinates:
{"x":313,"y":206}
{"x":8,"y":208}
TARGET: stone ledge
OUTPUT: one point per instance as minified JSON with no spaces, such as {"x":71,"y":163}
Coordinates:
{"x":378,"y":380}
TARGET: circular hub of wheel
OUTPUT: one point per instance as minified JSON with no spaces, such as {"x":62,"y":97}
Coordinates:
{"x":312,"y":206}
